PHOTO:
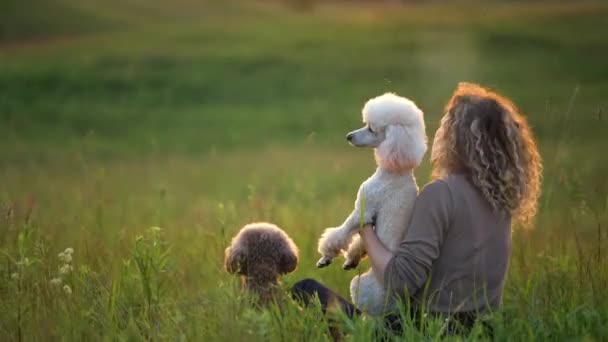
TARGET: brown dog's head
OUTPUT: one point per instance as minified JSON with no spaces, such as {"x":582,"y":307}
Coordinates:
{"x":261,"y":251}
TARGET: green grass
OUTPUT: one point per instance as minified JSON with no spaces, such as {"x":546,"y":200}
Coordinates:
{"x":199,"y":117}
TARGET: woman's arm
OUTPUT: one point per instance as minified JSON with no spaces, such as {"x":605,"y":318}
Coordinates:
{"x":376,"y":251}
{"x":408,"y":268}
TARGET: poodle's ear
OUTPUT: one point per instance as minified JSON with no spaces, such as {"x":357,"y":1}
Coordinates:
{"x":402,"y":148}
{"x":288,"y":260}
{"x":235,"y":260}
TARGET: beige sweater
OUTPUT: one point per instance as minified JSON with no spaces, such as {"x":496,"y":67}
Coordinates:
{"x":458,"y":244}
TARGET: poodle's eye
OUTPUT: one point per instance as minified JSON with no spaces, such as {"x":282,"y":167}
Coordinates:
{"x":369,"y":128}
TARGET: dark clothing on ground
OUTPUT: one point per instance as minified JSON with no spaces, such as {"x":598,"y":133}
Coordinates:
{"x":306,"y":290}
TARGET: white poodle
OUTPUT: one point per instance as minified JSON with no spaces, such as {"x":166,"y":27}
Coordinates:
{"x":395,"y":128}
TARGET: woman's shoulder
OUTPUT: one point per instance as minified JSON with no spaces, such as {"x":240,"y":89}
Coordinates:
{"x":436,"y":191}
{"x":447,"y":183}
{"x":454,"y":182}
{"x":463,"y":190}
{"x":447,"y":188}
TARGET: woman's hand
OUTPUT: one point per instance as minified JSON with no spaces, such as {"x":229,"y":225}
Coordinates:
{"x":376,"y":251}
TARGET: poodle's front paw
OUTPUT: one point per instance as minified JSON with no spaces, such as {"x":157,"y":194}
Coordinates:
{"x":333,"y":241}
{"x":323,"y":262}
{"x":350,"y":264}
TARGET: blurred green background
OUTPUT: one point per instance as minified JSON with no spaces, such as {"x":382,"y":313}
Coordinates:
{"x":133,"y":77}
{"x":201,"y":116}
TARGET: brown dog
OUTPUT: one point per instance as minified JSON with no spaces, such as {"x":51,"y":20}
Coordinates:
{"x":260,"y":253}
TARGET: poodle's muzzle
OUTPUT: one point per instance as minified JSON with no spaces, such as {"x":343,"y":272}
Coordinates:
{"x":366,"y":137}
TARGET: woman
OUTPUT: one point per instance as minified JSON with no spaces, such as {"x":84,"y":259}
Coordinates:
{"x":487,"y":172}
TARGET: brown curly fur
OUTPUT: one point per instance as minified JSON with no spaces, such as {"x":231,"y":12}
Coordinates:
{"x":260,"y":253}
{"x":485,"y":135}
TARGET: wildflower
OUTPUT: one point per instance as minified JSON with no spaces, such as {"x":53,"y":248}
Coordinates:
{"x":23,"y":262}
{"x":56,"y":281}
{"x":67,"y":258}
{"x":67,"y":289}
{"x":15,"y":275}
{"x":65,"y":269}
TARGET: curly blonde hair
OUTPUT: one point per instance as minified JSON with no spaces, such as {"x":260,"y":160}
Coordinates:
{"x":484,"y":135}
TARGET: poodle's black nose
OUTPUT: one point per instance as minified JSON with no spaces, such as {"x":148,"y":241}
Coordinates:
{"x":349,"y":136}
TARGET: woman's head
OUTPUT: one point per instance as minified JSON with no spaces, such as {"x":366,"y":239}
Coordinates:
{"x":483,"y":135}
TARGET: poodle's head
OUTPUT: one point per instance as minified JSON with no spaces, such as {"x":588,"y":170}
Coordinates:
{"x":395,"y":128}
{"x":261,"y":251}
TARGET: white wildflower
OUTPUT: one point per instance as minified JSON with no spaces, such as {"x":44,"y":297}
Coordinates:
{"x":56,"y":281}
{"x":15,"y":275}
{"x":67,"y":258}
{"x":23,"y":262}
{"x":65,"y":269}
{"x":67,"y":289}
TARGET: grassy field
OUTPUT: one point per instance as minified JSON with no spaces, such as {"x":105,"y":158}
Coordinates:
{"x":197,"y":117}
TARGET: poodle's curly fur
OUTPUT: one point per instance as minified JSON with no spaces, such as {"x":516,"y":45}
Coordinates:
{"x":395,"y":128}
{"x":260,"y":253}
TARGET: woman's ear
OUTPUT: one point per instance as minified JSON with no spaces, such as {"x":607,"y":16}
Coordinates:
{"x":235,"y":260}
{"x":402,"y":149}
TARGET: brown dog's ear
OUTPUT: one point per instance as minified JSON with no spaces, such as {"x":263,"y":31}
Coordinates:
{"x":235,"y":261}
{"x":288,"y":261}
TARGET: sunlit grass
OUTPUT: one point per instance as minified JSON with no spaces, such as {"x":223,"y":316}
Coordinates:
{"x":105,"y":210}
